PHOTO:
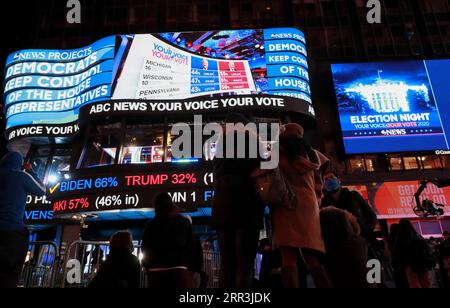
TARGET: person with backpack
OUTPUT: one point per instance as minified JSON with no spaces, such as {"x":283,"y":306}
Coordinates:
{"x":346,"y":258}
{"x":296,"y":227}
{"x":350,"y":201}
{"x":413,"y":254}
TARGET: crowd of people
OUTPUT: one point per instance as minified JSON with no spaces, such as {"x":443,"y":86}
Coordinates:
{"x":324,"y":230}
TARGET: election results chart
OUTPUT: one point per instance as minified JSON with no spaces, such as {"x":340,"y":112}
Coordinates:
{"x":165,"y":71}
{"x":192,"y":64}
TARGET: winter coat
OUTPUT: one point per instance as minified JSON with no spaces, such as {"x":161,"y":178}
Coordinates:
{"x":412,"y":252}
{"x":168,"y":242}
{"x":353,"y":202}
{"x":236,"y":203}
{"x":15,"y":185}
{"x":121,"y":269}
{"x":347,"y":253}
{"x":299,"y":227}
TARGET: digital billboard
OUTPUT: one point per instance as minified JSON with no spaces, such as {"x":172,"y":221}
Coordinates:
{"x":393,"y":106}
{"x":395,"y":200}
{"x":45,"y":90}
{"x":132,"y":188}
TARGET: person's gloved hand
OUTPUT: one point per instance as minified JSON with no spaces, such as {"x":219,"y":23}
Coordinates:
{"x":27,"y":167}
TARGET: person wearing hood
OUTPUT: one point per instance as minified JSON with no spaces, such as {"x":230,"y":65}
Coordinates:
{"x":15,"y":185}
{"x":296,"y":230}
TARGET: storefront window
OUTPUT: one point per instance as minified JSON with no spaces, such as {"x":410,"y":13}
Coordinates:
{"x":446,"y":161}
{"x":411,"y":163}
{"x":196,"y":130}
{"x":60,"y":165}
{"x":431,"y":162}
{"x":168,"y":154}
{"x":395,"y":163}
{"x":143,"y":144}
{"x":356,"y":165}
{"x":39,"y":161}
{"x":372,"y":163}
{"x":101,"y":151}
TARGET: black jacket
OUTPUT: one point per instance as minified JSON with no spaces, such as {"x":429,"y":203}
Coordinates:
{"x":354,"y":203}
{"x":196,"y":262}
{"x":413,"y":252}
{"x":120,"y":270}
{"x":168,"y":242}
{"x":236,"y":202}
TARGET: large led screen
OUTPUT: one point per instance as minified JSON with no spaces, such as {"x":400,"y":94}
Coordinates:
{"x":394,"y":106}
{"x":44,"y":90}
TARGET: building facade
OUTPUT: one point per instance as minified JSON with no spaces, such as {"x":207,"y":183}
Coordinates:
{"x":337,"y":31}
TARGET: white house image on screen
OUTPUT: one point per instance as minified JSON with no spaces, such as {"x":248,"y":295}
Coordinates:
{"x":386,"y":97}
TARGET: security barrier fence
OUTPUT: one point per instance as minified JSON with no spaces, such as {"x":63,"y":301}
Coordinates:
{"x":47,"y":267}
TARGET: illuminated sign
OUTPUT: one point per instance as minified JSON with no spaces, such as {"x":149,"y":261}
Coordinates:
{"x":38,"y":210}
{"x":44,"y":88}
{"x":395,"y":200}
{"x":156,"y":73}
{"x":189,"y":188}
{"x":393,"y":106}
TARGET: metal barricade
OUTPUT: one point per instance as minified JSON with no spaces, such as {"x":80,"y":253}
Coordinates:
{"x":45,"y":268}
{"x":90,"y":255}
{"x":211,"y":266}
{"x":41,"y":265}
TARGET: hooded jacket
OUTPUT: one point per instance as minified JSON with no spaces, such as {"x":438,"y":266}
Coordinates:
{"x":15,"y":185}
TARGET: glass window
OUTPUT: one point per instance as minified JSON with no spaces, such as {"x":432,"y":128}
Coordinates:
{"x":60,"y":165}
{"x":143,"y":144}
{"x":39,"y":161}
{"x":430,"y":227}
{"x":356,"y":165}
{"x":372,"y":163}
{"x":395,"y":162}
{"x":168,"y":155}
{"x":101,"y":151}
{"x":446,"y":161}
{"x":195,"y":130}
{"x":411,"y":163}
{"x":431,"y":162}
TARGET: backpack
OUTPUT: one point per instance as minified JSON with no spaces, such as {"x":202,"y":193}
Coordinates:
{"x":274,"y":189}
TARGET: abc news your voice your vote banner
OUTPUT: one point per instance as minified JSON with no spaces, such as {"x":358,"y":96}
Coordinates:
{"x":156,"y":73}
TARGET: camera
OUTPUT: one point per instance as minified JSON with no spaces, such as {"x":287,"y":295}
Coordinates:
{"x":429,"y":208}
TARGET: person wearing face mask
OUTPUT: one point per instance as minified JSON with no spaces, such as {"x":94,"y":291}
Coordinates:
{"x":351,"y":201}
